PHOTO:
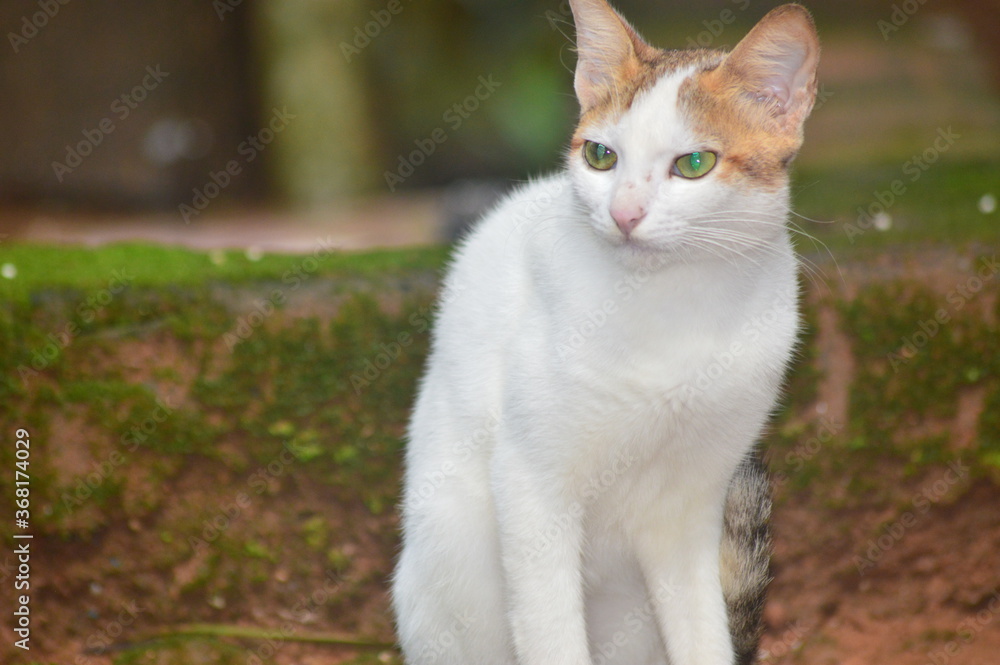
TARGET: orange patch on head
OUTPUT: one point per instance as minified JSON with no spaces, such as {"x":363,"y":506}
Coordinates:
{"x":639,"y":77}
{"x":749,"y":104}
{"x":754,"y":102}
{"x":741,"y":131}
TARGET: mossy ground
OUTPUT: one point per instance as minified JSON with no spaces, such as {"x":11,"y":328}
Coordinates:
{"x":223,"y":455}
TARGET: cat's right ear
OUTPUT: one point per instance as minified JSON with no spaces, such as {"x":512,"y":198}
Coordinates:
{"x":606,"y":48}
{"x":775,"y":64}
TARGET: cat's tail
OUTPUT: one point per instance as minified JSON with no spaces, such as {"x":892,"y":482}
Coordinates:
{"x":745,"y":555}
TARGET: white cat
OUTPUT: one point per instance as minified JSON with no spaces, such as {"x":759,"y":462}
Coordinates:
{"x":609,"y":345}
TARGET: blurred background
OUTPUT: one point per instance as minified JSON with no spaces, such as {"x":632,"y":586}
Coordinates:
{"x":393,"y":121}
{"x":163,"y":385}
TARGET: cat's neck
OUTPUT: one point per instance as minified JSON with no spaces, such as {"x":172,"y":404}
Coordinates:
{"x":577,"y":270}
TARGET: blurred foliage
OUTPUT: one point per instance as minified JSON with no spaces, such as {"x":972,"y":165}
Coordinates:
{"x":380,"y":77}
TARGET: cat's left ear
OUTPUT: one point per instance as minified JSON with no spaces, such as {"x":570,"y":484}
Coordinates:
{"x":775,"y":64}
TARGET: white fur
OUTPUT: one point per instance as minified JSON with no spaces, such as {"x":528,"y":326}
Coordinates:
{"x":587,"y":400}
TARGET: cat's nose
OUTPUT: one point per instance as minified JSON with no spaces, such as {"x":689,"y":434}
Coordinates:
{"x":627,"y":217}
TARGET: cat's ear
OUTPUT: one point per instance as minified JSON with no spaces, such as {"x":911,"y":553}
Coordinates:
{"x":607,"y":49}
{"x":775,"y":64}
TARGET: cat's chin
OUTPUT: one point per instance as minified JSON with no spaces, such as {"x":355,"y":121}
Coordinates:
{"x":642,"y":252}
{"x":639,"y":243}
{"x":652,"y":254}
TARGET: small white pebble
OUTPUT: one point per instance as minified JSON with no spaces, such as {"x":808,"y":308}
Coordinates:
{"x":254,"y":254}
{"x":8,"y":271}
{"x":987,"y":203}
{"x":217,"y":601}
{"x":882,"y":221}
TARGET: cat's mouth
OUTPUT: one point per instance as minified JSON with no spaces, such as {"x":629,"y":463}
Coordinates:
{"x":640,"y":240}
{"x":642,"y":245}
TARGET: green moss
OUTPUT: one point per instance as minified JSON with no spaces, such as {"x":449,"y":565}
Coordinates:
{"x":384,"y":658}
{"x":70,"y":357}
{"x":185,"y":650}
{"x":95,"y":275}
{"x":916,"y":352}
{"x":940,"y":206}
{"x":258,"y":550}
{"x":315,"y":533}
{"x":320,"y":401}
{"x":989,"y":430}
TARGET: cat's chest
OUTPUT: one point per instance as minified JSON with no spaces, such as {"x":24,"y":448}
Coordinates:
{"x":657,"y":353}
{"x":659,"y":335}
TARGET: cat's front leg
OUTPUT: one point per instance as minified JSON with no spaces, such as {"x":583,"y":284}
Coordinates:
{"x":679,"y":555}
{"x":540,"y":533}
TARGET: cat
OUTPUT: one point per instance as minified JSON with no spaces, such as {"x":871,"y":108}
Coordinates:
{"x":581,"y":481}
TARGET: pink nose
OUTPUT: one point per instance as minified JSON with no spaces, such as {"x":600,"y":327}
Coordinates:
{"x":627,"y":217}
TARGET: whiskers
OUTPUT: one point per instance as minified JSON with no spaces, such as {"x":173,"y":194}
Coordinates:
{"x":720,"y":225}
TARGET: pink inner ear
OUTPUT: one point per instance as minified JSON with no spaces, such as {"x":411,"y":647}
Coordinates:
{"x":784,"y":72}
{"x":776,"y":62}
{"x":606,"y":47}
{"x":774,"y":94}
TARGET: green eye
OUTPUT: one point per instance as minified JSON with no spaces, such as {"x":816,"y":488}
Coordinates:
{"x":598,"y":155}
{"x":696,"y":164}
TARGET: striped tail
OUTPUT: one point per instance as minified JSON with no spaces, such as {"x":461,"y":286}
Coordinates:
{"x":746,"y":554}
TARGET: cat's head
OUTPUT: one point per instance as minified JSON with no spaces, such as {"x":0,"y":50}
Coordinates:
{"x":688,"y":150}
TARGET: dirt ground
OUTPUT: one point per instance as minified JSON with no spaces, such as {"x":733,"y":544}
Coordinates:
{"x":910,"y":585}
{"x":906,"y":571}
{"x":912,"y":579}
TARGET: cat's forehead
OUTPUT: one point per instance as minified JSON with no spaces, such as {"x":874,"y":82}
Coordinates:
{"x":660,"y":70}
{"x":648,"y":72}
